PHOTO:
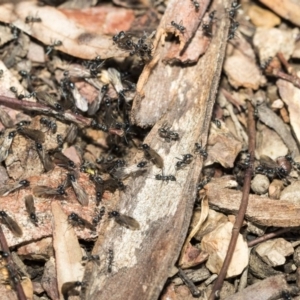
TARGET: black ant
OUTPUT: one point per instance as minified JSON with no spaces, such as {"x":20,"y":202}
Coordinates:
{"x":29,"y":203}
{"x":186,"y":159}
{"x":15,"y":31}
{"x":92,"y":257}
{"x":99,"y":126}
{"x":49,"y":123}
{"x":200,"y":150}
{"x":152,"y":155}
{"x":234,"y":7}
{"x":51,"y":47}
{"x":232,"y":29}
{"x":110,"y":259}
{"x":270,"y":168}
{"x":203,"y":183}
{"x":207,"y":27}
{"x":93,"y":65}
{"x":167,"y":134}
{"x":179,"y":27}
{"x":76,"y":220}
{"x":196,"y":4}
{"x":124,"y":220}
{"x":165,"y":178}
{"x":31,"y":19}
{"x":118,"y":36}
{"x":20,"y":96}
{"x":217,"y":122}
{"x":99,"y":216}
{"x":244,"y":162}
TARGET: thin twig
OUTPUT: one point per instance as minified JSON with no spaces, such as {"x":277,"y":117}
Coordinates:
{"x":293,"y":79}
{"x":189,"y":283}
{"x":268,"y":236}
{"x":285,"y":63}
{"x":243,"y":206}
{"x":46,"y":110}
{"x":11,"y":267}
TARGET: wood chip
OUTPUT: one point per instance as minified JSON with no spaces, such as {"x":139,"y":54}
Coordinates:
{"x":262,"y":211}
{"x":269,"y":288}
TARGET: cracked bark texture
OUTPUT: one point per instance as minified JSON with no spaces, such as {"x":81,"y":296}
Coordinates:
{"x":143,"y":259}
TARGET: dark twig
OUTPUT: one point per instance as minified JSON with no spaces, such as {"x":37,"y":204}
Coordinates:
{"x":42,"y":109}
{"x":189,"y":283}
{"x":11,"y":267}
{"x":272,"y":67}
{"x":268,"y":236}
{"x":282,"y":75}
{"x":285,"y":63}
{"x":243,"y":206}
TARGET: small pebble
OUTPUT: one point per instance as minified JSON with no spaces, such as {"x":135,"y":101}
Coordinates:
{"x":260,"y":184}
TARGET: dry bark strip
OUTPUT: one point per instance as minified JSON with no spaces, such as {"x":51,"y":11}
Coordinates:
{"x":153,"y":99}
{"x":143,"y":259}
{"x":262,"y":211}
{"x":76,"y":39}
{"x":270,"y":288}
{"x":67,"y":249}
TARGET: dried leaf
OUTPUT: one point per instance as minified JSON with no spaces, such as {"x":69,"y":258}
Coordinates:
{"x":76,"y":39}
{"x":223,"y":147}
{"x":216,"y":244}
{"x":243,"y":72}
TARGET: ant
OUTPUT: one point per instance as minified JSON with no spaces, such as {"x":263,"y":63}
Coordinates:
{"x":51,"y":47}
{"x":152,"y":155}
{"x":110,"y":259}
{"x":234,"y":7}
{"x":31,"y":19}
{"x":270,"y":168}
{"x":244,"y":162}
{"x":20,"y":96}
{"x":92,"y":257}
{"x":217,"y":122}
{"x":49,"y":123}
{"x":200,"y":150}
{"x":118,"y":36}
{"x":99,"y":126}
{"x":203,"y":183}
{"x":196,"y":4}
{"x":99,"y":216}
{"x":207,"y":27}
{"x":179,"y":27}
{"x":165,"y":178}
{"x":232,"y":29}
{"x":186,"y":159}
{"x":167,"y":134}
{"x":15,"y":31}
